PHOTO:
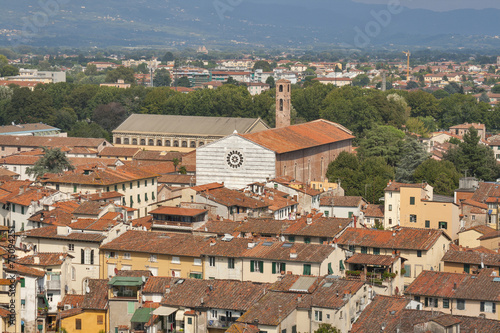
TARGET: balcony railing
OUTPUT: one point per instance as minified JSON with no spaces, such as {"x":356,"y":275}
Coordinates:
{"x":214,"y":323}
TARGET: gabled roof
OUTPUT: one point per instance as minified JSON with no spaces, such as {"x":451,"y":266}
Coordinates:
{"x":372,"y":259}
{"x":217,"y":294}
{"x":174,"y":124}
{"x":45,"y":259}
{"x":402,"y":239}
{"x":72,"y":300}
{"x":395,"y":186}
{"x":229,"y":198}
{"x":470,"y":256}
{"x":177,"y":211}
{"x":318,"y":227}
{"x":374,"y":211}
{"x":50,"y":232}
{"x":341,"y":201}
{"x":119,"y":152}
{"x":483,"y":287}
{"x":50,"y":141}
{"x":266,"y":311}
{"x":302,"y":136}
{"x":23,"y":270}
{"x":311,"y":253}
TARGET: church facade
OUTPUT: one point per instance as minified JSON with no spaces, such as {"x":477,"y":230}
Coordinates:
{"x":301,"y":151}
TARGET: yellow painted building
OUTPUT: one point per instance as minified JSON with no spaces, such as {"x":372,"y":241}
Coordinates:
{"x":89,"y":321}
{"x":164,"y":254}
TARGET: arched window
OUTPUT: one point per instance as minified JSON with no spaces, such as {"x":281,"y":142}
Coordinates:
{"x":167,"y":143}
{"x":192,"y":144}
{"x":151,"y":142}
{"x":143,"y":142}
{"x":184,"y":143}
{"x":284,"y":170}
{"x":126,"y":141}
{"x":176,"y":143}
{"x":158,"y":143}
{"x":134,"y":141}
{"x":118,"y":141}
{"x":201,"y":144}
{"x":281,"y":88}
{"x":281,"y":105}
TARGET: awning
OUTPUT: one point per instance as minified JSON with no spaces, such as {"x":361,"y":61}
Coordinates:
{"x":141,"y":315}
{"x":126,"y":281}
{"x":179,"y":315}
{"x":164,"y":311}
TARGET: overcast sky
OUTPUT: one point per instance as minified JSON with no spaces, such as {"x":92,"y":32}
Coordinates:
{"x":442,"y":5}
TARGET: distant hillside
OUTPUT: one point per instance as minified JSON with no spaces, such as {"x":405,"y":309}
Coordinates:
{"x":271,"y":23}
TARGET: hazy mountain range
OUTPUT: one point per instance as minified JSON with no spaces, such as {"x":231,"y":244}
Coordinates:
{"x":268,"y":23}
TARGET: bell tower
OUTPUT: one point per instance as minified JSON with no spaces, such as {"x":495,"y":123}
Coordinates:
{"x":283,"y":103}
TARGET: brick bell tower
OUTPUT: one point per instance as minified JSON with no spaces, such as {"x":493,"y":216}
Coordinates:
{"x":283,"y":103}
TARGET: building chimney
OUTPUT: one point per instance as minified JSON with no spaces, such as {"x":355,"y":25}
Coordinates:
{"x":36,"y":260}
{"x":293,"y":254}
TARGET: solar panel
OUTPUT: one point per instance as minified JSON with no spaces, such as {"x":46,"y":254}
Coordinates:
{"x":287,"y":245}
{"x":497,"y":279}
{"x":328,"y":284}
{"x":267,"y":243}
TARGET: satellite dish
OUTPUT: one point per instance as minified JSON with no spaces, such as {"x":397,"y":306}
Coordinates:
{"x":282,"y":238}
{"x":87,"y":289}
{"x":143,"y":278}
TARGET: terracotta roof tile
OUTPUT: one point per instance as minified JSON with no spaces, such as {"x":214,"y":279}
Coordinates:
{"x":228,"y":197}
{"x":153,"y":155}
{"x":455,"y":285}
{"x":342,"y":201}
{"x":53,"y":217}
{"x":178,"y":211}
{"x":264,"y":226}
{"x":119,"y":152}
{"x":177,"y":179}
{"x":302,"y":136}
{"x":73,"y":300}
{"x":93,"y":224}
{"x":403,"y":238}
{"x":101,"y":176}
{"x":319,"y":227}
{"x":371,"y":259}
{"x":395,"y":186}
{"x":218,"y":294}
{"x":134,"y":273}
{"x":45,"y":259}
{"x":52,"y":141}
{"x":266,"y":311}
{"x":220,"y":227}
{"x":50,"y":232}
{"x":374,"y":211}
{"x":69,"y":313}
{"x":97,"y":298}
{"x":143,"y":222}
{"x":470,"y":256}
{"x":276,"y":251}
{"x":23,"y":270}
{"x":157,"y":284}
{"x":89,"y":208}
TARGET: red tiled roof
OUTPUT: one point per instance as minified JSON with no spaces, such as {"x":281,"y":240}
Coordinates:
{"x":371,"y":259}
{"x":72,"y":300}
{"x":276,"y":251}
{"x":69,"y":313}
{"x":228,"y":197}
{"x":178,"y":211}
{"x":23,"y":270}
{"x":302,"y":136}
{"x":266,"y":311}
{"x":101,"y":176}
{"x":319,"y":227}
{"x":54,"y":217}
{"x":50,"y":232}
{"x":395,"y":186}
{"x":157,"y":284}
{"x":219,"y":227}
{"x":104,"y":195}
{"x":93,"y":224}
{"x":119,"y":152}
{"x":403,"y":238}
{"x":31,"y":194}
{"x":469,"y":256}
{"x":97,"y":298}
{"x":341,"y":201}
{"x":374,"y":211}
{"x":52,"y":141}
{"x":45,"y":259}
{"x":177,"y":179}
{"x":454,"y":285}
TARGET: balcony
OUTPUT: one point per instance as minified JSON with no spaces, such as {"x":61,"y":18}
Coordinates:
{"x":215,"y":323}
{"x":54,"y":285}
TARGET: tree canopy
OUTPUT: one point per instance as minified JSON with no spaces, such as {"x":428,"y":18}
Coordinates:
{"x":52,"y":161}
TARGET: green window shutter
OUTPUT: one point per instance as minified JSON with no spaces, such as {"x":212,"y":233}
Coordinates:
{"x":283,"y":267}
{"x":466,"y":268}
{"x":307,"y":269}
{"x":252,"y":267}
{"x":22,"y":209}
{"x":130,"y":307}
{"x":412,"y":200}
{"x":261,"y":266}
{"x":330,"y":269}
{"x":23,"y":282}
{"x":482,"y":307}
{"x":274,"y":268}
{"x":350,"y":214}
{"x":123,"y":186}
{"x":341,"y":265}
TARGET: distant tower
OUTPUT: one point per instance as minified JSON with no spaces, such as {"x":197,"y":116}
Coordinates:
{"x":283,"y":103}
